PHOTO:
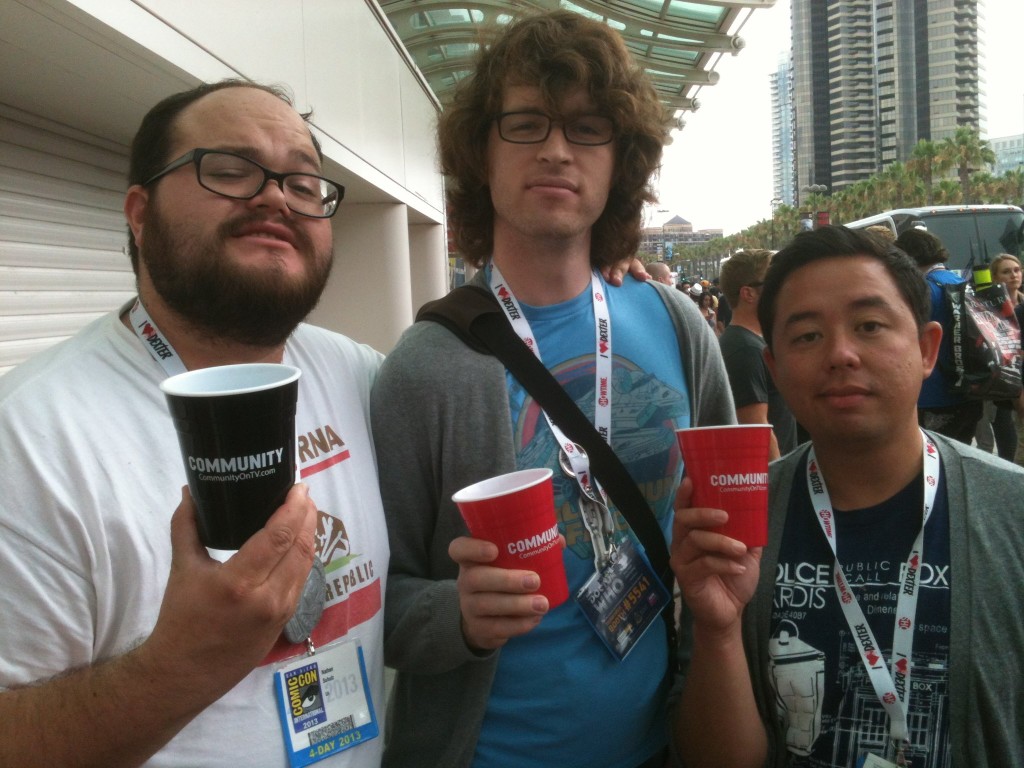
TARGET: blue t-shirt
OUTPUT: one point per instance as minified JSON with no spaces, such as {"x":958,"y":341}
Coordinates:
{"x":559,"y":697}
{"x":831,"y":714}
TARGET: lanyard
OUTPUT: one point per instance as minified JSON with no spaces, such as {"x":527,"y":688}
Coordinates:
{"x":892,"y":685}
{"x":159,"y":348}
{"x":596,"y":515}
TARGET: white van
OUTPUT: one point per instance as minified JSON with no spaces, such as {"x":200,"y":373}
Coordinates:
{"x":971,"y":233}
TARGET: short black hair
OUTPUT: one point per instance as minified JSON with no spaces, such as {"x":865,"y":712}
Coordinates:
{"x":830,"y":242}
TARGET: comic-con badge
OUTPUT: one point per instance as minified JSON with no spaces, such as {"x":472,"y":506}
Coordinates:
{"x":325,"y":703}
{"x":623,"y":599}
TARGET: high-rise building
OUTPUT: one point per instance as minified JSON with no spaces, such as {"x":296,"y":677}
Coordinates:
{"x":872,"y":77}
{"x":783,"y":185}
{"x":1009,"y":152}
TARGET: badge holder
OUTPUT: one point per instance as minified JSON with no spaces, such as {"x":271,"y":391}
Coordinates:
{"x":623,"y":599}
{"x":325,"y":703}
{"x":323,"y":697}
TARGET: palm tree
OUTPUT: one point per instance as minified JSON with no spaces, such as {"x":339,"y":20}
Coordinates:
{"x":948,"y":192}
{"x":901,"y":188}
{"x":986,"y":187}
{"x":926,"y":161}
{"x":1012,"y":188}
{"x":966,"y":152}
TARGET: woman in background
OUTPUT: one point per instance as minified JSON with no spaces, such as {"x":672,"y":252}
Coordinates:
{"x":997,"y":421}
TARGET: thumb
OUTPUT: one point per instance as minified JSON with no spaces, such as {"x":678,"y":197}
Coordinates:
{"x":684,"y":493}
{"x":185,"y":543}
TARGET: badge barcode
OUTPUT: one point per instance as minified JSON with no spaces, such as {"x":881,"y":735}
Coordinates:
{"x":338,"y":726}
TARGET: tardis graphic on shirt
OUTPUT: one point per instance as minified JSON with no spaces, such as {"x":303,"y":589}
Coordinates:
{"x":823,"y":695}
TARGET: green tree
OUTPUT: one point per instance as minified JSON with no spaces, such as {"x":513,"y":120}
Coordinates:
{"x":967,"y":152}
{"x":927,"y":161}
{"x":901,"y":188}
{"x":948,"y":192}
{"x":1012,"y":187}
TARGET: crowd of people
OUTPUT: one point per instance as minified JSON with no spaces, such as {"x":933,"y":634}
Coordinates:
{"x":879,"y":626}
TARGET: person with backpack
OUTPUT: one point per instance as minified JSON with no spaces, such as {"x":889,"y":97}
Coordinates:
{"x":938,"y":409}
{"x":996,"y":428}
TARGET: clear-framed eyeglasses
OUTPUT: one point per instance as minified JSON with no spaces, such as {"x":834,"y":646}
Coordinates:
{"x":240,"y":178}
{"x":535,"y":127}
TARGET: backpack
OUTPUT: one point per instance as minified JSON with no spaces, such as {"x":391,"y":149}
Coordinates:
{"x":986,"y":342}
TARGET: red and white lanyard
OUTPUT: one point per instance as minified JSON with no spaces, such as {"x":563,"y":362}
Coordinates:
{"x":892,"y":685}
{"x":596,"y":517}
{"x":153,"y":340}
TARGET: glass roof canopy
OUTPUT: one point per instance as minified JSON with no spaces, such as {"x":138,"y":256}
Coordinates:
{"x":678,"y":43}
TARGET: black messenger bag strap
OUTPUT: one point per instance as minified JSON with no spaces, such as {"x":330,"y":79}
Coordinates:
{"x":472,"y":313}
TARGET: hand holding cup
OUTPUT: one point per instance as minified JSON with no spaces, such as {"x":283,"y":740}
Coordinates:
{"x":514,"y":556}
{"x":728,"y":466}
{"x":236,"y":429}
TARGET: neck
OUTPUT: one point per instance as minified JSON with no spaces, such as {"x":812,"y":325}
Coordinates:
{"x":197,"y":348}
{"x":543,"y":272}
{"x":744,"y":317}
{"x":859,"y":476}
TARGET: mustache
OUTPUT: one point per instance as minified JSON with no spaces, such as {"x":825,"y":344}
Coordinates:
{"x":236,"y":226}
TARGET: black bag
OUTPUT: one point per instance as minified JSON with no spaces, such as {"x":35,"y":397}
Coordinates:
{"x":986,"y":342}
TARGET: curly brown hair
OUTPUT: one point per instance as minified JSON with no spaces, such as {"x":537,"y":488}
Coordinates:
{"x":557,"y":52}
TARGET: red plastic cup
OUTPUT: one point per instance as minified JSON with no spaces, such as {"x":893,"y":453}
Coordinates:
{"x":729,"y":469}
{"x":516,"y":511}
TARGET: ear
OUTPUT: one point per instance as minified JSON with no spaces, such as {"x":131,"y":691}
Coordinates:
{"x":930,"y":339}
{"x":136,"y":201}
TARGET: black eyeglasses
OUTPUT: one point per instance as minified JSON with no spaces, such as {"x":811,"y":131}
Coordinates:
{"x":240,"y":178}
{"x":535,"y":127}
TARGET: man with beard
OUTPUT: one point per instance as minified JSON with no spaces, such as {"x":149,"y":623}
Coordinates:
{"x":123,"y":641}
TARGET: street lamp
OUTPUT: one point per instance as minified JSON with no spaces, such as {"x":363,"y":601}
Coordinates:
{"x":774,"y":204}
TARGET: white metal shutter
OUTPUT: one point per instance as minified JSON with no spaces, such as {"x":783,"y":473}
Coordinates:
{"x":62,"y":232}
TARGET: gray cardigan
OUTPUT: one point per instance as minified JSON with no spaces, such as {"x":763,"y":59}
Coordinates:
{"x":986,"y":548}
{"x":441,"y":421}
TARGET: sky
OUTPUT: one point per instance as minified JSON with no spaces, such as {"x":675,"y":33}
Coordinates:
{"x":717,"y":173}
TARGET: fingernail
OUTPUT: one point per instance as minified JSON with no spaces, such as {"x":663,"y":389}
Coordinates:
{"x":303,"y":489}
{"x":531,"y":582}
{"x":540,"y":604}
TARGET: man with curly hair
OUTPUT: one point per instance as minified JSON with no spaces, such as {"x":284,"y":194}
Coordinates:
{"x":549,"y":149}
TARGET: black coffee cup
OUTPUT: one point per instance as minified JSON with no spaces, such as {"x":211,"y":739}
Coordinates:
{"x":236,"y":429}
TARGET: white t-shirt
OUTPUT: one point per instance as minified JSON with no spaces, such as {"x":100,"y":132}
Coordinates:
{"x":91,"y":474}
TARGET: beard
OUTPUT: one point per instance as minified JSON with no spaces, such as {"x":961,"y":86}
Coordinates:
{"x":253,"y":306}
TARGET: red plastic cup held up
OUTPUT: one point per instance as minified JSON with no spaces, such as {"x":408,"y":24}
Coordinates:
{"x":516,"y":511}
{"x":729,"y":469}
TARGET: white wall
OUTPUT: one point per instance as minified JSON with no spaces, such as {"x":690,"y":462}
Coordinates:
{"x":98,"y":65}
